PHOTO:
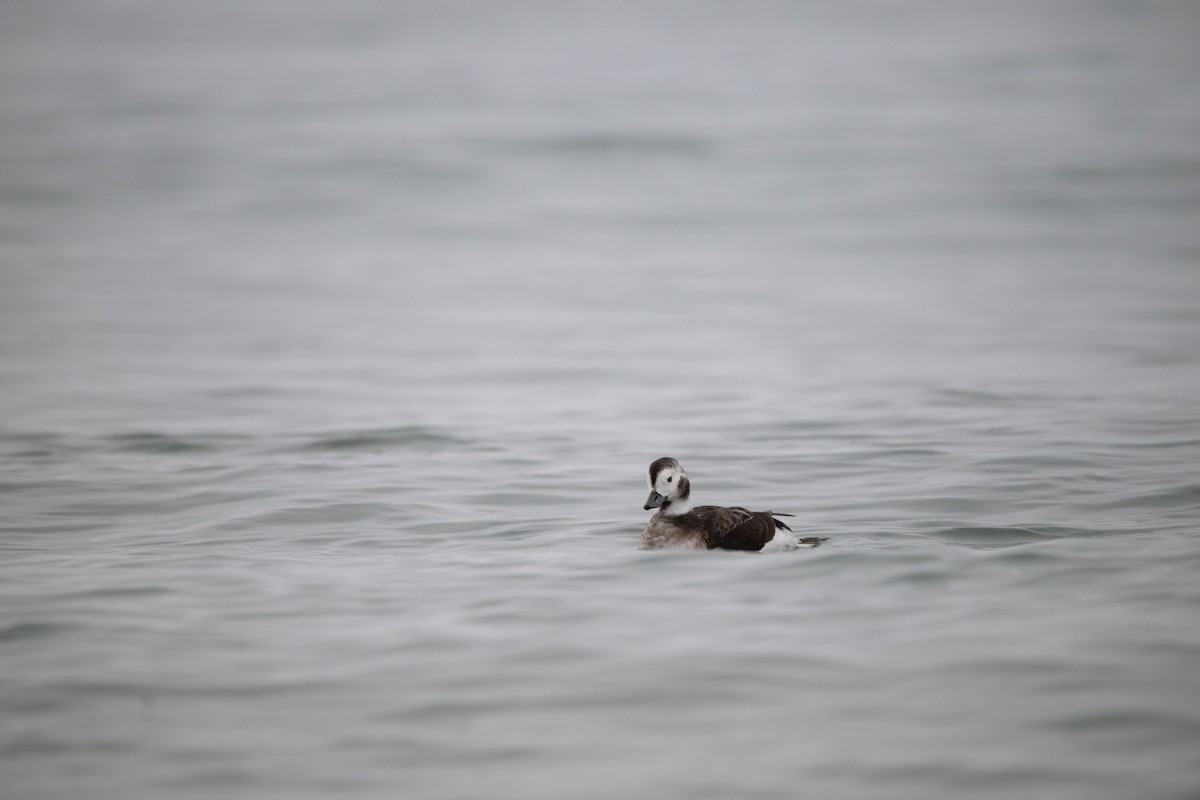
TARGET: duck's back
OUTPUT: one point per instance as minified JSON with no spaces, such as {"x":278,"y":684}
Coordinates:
{"x":735,"y":528}
{"x":711,"y":527}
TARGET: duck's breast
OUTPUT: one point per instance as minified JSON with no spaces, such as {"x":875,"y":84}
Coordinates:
{"x":663,"y":534}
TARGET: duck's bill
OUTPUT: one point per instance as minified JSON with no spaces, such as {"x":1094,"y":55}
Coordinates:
{"x":654,"y":501}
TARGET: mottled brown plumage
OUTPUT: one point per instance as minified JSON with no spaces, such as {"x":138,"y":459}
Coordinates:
{"x":710,"y":527}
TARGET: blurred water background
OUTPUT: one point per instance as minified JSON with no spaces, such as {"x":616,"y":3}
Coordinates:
{"x":336,"y":338}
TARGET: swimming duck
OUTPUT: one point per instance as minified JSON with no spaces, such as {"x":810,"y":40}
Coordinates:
{"x":678,"y":524}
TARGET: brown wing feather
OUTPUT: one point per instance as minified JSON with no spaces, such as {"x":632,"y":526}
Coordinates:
{"x":735,"y":528}
{"x":750,"y":535}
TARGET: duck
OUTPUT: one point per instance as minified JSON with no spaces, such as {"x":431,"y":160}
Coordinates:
{"x":679,"y":525}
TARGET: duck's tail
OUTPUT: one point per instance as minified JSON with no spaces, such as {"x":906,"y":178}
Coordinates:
{"x":805,"y":541}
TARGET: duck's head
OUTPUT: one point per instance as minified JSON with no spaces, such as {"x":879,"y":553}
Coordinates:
{"x":669,"y":487}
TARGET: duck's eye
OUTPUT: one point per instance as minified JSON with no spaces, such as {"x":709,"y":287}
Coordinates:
{"x":670,"y":479}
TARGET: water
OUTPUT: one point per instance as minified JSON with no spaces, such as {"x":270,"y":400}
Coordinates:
{"x":335,"y":340}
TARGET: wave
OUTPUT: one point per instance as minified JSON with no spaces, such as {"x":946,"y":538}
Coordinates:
{"x":987,"y":536}
{"x":383,"y":438}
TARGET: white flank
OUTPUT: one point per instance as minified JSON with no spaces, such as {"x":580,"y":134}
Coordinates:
{"x":782,"y":540}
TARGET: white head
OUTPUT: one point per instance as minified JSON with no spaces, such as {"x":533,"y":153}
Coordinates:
{"x":670,"y":490}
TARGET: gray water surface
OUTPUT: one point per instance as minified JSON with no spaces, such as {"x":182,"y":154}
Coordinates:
{"x":335,"y":341}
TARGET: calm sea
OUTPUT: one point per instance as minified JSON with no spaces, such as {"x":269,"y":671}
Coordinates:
{"x":336,"y":338}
